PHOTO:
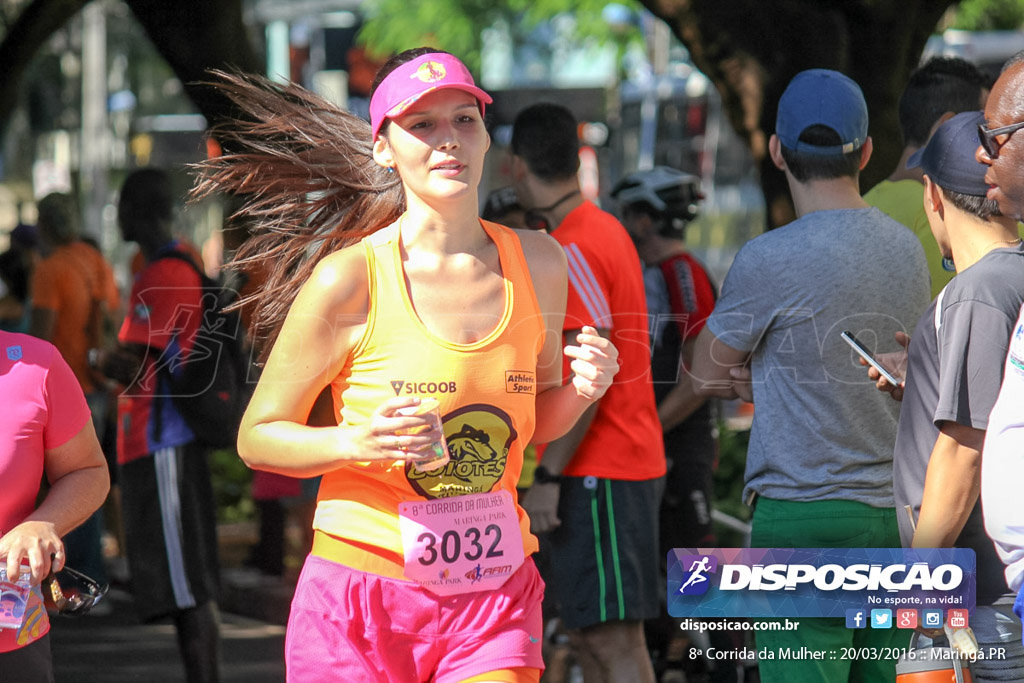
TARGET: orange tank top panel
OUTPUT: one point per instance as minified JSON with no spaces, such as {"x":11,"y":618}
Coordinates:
{"x":487,"y":392}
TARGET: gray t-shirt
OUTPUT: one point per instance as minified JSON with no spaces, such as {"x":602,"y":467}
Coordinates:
{"x":821,"y":430}
{"x":954,"y":371}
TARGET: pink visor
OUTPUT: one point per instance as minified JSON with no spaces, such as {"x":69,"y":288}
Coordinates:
{"x":401,"y":88}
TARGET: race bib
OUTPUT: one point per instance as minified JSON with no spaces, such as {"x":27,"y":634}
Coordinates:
{"x":461,"y":544}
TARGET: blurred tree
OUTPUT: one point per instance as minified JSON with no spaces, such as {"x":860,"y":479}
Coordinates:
{"x":23,"y":36}
{"x":192,"y":35}
{"x":990,"y":15}
{"x":458,"y":25}
{"x":750,"y":49}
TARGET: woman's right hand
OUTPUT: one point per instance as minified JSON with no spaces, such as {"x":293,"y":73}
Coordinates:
{"x":36,"y":544}
{"x":390,"y":435}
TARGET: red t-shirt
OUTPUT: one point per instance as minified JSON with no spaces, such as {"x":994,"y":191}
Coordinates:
{"x":43,"y":408}
{"x":606,"y":290}
{"x":690,"y":293}
{"x":164,"y":311}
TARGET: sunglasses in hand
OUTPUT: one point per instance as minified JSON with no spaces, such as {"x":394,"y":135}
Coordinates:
{"x":72,"y":592}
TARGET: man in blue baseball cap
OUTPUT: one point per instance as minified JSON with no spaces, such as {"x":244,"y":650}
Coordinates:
{"x":819,"y":465}
{"x":954,"y":370}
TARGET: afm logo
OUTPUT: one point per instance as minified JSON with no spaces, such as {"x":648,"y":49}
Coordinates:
{"x":403,"y":387}
{"x":476,"y":573}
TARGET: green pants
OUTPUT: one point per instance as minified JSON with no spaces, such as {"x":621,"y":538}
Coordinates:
{"x":826,"y":524}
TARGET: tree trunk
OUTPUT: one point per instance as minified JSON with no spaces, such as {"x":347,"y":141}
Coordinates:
{"x":192,"y":35}
{"x":195,"y":36}
{"x":751,"y":49}
{"x":33,"y":27}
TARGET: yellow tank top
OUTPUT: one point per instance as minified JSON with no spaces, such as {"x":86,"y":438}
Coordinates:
{"x":486,"y":389}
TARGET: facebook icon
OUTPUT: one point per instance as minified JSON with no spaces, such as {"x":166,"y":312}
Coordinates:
{"x":856,"y":618}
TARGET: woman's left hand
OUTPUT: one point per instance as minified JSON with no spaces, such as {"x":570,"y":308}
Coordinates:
{"x":595,"y":362}
{"x":36,"y":543}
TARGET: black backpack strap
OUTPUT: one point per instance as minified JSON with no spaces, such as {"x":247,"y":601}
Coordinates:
{"x":179,"y":256}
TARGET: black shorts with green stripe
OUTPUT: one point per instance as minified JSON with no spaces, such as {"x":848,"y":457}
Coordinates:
{"x":604,"y":556}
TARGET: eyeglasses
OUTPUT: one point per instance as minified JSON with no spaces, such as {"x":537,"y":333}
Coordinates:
{"x":987,"y":137}
{"x":74,"y":593}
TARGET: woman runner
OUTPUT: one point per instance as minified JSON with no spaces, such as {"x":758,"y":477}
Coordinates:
{"x":403,"y":294}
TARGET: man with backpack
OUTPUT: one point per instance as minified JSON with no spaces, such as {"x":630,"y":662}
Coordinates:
{"x":169,"y":508}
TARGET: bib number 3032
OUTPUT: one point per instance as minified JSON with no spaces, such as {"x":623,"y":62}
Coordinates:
{"x":462,"y":544}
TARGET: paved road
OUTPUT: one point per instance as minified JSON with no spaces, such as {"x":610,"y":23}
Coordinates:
{"x":116,"y":648}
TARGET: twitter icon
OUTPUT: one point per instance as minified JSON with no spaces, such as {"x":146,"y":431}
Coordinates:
{"x":881,"y":618}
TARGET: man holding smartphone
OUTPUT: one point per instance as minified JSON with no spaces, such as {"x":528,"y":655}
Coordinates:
{"x":819,"y":466}
{"x":954,"y":370}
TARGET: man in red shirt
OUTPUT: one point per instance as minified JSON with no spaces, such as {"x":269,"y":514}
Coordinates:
{"x":167,"y":495}
{"x":598,"y":488}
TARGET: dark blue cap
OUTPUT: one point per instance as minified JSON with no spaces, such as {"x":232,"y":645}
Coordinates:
{"x":822,"y":97}
{"x":25,"y":236}
{"x":948,"y":158}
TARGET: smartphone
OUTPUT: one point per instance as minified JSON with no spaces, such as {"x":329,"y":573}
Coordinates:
{"x":866,"y":355}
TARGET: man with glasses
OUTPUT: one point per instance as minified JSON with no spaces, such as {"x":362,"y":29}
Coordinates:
{"x":989,"y":139}
{"x":1002,"y":468}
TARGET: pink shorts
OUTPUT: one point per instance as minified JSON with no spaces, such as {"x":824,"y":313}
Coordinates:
{"x":348,"y":625}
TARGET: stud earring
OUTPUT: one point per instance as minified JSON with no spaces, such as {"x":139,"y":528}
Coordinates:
{"x":391,"y":169}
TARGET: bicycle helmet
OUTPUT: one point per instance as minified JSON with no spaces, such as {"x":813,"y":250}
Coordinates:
{"x":669,"y":193}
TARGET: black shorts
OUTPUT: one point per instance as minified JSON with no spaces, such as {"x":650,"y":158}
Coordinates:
{"x":686,"y":507}
{"x":29,"y":664}
{"x":171,"y":531}
{"x":604,"y":557}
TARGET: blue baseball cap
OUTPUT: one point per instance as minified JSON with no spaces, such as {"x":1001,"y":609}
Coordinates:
{"x":822,"y":97}
{"x":25,"y":236}
{"x":948,"y":158}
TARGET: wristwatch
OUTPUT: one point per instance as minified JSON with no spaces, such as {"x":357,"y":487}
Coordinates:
{"x":542,"y":475}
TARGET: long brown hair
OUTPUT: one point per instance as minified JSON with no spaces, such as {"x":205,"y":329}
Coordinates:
{"x":304,"y":173}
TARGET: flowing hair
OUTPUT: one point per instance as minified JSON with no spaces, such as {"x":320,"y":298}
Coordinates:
{"x":303,"y":172}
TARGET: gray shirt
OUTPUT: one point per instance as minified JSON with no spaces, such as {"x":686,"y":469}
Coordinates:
{"x":954,"y":371}
{"x":821,"y":430}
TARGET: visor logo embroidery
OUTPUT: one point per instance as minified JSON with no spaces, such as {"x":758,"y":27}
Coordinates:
{"x":430,"y":72}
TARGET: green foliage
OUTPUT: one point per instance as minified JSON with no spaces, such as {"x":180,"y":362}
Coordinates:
{"x":990,"y":15}
{"x":231,"y":486}
{"x":728,"y":482}
{"x":457,"y":26}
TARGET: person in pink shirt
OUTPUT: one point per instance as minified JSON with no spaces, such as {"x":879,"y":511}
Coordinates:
{"x":46,"y":428}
